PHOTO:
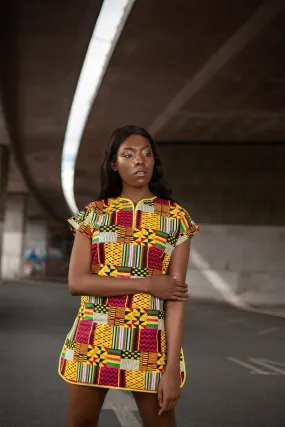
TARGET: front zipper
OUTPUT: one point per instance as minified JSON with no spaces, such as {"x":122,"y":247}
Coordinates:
{"x":135,"y":213}
{"x":135,"y":208}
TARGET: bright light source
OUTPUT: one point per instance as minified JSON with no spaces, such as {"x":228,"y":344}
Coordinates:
{"x":107,"y":31}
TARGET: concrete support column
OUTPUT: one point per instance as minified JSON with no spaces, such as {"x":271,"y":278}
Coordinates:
{"x":4,"y":175}
{"x":35,"y":248}
{"x":13,"y":237}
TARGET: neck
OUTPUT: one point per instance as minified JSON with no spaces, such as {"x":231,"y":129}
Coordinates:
{"x":136,"y":194}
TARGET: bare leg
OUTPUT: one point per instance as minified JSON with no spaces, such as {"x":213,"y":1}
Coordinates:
{"x":84,"y":405}
{"x":148,"y":408}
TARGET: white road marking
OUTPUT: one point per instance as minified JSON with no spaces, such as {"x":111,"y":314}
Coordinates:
{"x":123,"y":404}
{"x":274,"y":362}
{"x":234,"y":321}
{"x":267,"y":331}
{"x":274,"y":312}
{"x":252,"y":368}
{"x":268,"y":364}
{"x":203,"y":314}
{"x":125,"y":416}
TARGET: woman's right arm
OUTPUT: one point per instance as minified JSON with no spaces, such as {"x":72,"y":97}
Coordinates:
{"x":81,"y":282}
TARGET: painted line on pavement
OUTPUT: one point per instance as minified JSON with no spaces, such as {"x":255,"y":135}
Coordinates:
{"x":269,"y":365}
{"x":268,"y":331}
{"x":123,"y":405}
{"x":252,"y":368}
{"x":234,"y":321}
{"x":125,"y":416}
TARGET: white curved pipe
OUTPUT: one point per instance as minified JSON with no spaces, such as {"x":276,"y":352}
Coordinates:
{"x":107,"y":31}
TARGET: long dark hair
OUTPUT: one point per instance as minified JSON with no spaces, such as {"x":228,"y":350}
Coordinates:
{"x":111,"y":183}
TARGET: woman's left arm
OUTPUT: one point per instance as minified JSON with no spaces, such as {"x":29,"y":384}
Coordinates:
{"x":169,"y":387}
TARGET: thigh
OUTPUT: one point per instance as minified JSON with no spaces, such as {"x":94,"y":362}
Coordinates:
{"x":148,"y":407}
{"x":84,"y":405}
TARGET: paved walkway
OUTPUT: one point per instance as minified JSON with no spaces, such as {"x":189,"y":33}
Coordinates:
{"x":235,"y":359}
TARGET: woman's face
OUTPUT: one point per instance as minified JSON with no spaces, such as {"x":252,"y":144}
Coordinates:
{"x":134,"y":161}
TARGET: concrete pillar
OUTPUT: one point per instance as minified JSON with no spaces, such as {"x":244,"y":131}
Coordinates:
{"x":35,"y":242}
{"x":13,"y":237}
{"x":4,"y":174}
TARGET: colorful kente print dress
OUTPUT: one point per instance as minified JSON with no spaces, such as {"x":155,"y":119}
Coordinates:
{"x":120,"y":342}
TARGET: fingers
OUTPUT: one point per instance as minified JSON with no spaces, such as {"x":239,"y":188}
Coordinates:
{"x":178,"y":299}
{"x":181,"y":287}
{"x":181,"y":295}
{"x":181,"y":291}
{"x":179,"y":283}
{"x":160,"y":397}
{"x":169,"y":404}
{"x":160,"y":400}
{"x":163,"y":408}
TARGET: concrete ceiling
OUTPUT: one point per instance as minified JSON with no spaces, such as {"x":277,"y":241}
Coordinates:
{"x":192,"y":72}
{"x":188,"y":71}
{"x":4,"y":138}
{"x":43,"y":45}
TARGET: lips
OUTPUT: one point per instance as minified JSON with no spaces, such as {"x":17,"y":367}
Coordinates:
{"x":141,"y":172}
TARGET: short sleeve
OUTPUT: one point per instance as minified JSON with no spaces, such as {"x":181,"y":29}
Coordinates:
{"x":82,"y":221}
{"x":187,"y":227}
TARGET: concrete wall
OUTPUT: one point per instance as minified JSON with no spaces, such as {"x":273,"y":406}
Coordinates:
{"x":228,"y":184}
{"x":239,"y":261}
{"x":236,"y":193}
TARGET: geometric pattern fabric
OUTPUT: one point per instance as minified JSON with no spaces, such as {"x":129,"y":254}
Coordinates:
{"x":120,"y":342}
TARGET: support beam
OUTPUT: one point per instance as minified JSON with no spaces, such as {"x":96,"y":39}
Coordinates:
{"x":4,"y":175}
{"x":263,"y":16}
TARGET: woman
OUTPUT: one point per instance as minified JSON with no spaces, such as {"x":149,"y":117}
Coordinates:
{"x":118,"y":340}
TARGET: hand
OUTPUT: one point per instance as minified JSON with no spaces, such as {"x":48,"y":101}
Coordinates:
{"x":168,"y":288}
{"x":168,"y":391}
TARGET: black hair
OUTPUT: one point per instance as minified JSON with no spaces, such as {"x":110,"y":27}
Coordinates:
{"x":111,"y":183}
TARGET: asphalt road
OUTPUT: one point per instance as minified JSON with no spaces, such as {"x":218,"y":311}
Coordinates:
{"x":235,"y":364}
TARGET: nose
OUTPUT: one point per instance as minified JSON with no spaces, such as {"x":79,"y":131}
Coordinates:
{"x":139,"y":160}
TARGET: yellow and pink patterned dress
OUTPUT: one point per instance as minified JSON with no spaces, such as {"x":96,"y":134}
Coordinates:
{"x":120,"y":342}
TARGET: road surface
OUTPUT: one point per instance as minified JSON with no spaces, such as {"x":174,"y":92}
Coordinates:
{"x":235,"y":364}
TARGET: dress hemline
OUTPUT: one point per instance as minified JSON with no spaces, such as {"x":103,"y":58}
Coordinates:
{"x":118,"y":388}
